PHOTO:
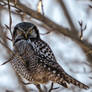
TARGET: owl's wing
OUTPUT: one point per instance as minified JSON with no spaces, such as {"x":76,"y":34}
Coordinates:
{"x":42,"y":49}
{"x":46,"y":56}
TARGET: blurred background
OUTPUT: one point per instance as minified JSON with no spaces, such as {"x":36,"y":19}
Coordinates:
{"x":73,"y":15}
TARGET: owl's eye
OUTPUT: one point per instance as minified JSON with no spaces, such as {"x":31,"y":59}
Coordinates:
{"x":19,"y":32}
{"x":31,"y":31}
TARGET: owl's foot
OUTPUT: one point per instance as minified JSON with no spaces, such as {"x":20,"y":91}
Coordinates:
{"x":26,"y":83}
{"x":7,"y":61}
{"x":52,"y":87}
{"x":39,"y":88}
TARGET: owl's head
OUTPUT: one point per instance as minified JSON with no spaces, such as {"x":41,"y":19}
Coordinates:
{"x":25,"y":31}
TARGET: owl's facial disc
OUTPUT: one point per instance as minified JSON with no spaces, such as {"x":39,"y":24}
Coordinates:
{"x":30,"y":33}
{"x":25,"y":31}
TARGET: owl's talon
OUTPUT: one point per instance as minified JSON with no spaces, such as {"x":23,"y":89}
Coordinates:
{"x":52,"y":87}
{"x":26,"y":83}
{"x":4,"y":63}
{"x":55,"y":88}
{"x":39,"y":88}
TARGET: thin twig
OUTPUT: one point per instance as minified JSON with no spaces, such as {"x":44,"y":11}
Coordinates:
{"x":40,"y":7}
{"x":82,"y":29}
{"x":9,"y":38}
{"x":45,"y":33}
{"x":10,"y":22}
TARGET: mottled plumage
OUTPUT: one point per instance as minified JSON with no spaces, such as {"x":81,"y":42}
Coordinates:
{"x":34,"y":59}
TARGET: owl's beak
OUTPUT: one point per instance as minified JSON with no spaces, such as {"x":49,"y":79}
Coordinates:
{"x":26,"y":35}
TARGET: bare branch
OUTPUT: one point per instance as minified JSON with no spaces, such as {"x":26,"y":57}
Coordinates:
{"x":74,"y":30}
{"x":10,"y":22}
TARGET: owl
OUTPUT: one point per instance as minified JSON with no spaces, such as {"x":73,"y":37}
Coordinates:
{"x":34,"y":59}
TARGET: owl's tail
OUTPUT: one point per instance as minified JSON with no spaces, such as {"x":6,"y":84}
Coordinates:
{"x":67,"y":79}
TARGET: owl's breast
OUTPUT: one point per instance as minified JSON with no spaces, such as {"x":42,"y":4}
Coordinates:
{"x":24,"y":48}
{"x":27,"y":63}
